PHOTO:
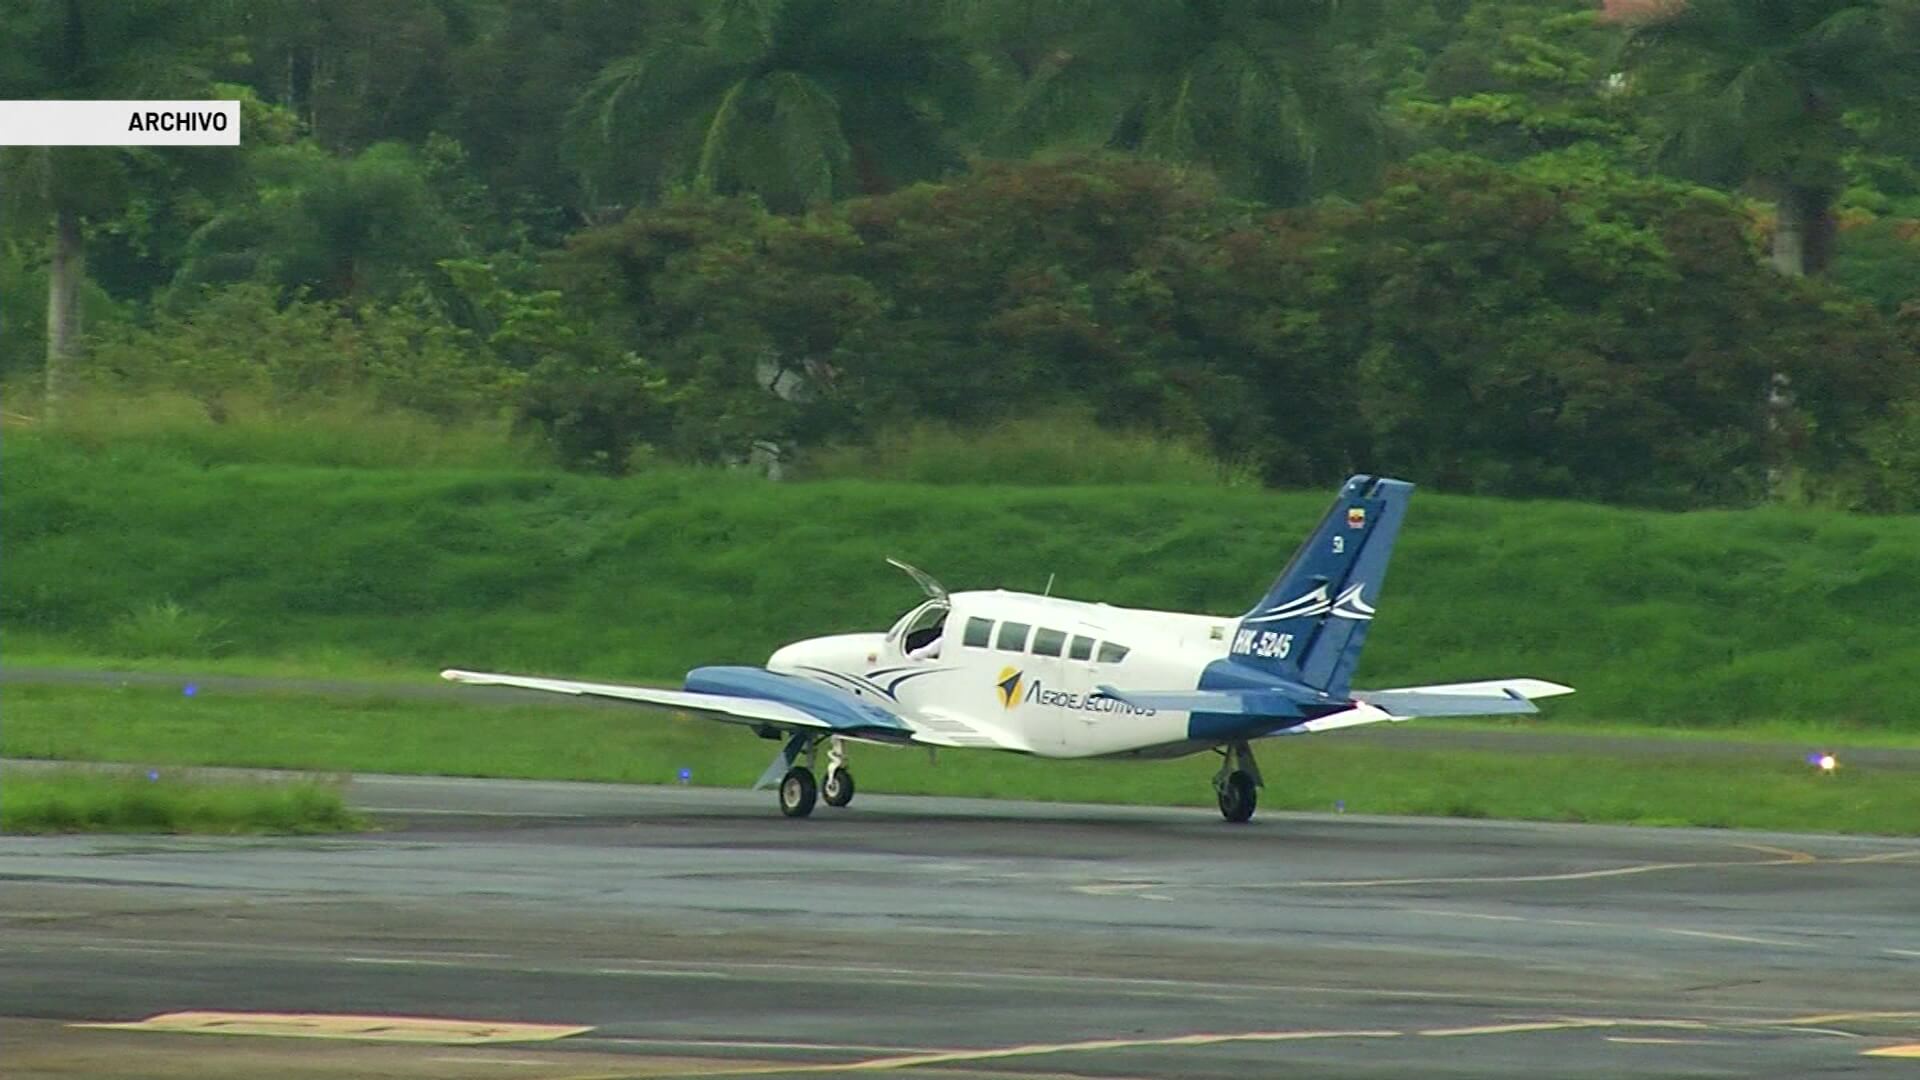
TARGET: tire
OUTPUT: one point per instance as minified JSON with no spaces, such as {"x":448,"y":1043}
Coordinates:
{"x":797,"y":792}
{"x":838,"y":788}
{"x":1238,"y":797}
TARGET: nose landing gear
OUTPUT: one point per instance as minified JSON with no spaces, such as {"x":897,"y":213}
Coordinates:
{"x":838,"y":790}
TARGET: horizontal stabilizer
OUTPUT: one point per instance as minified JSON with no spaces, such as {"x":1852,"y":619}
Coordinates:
{"x":1526,"y":688}
{"x":1403,"y":703}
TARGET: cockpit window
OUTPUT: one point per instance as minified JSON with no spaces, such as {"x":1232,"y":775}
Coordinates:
{"x":979,"y":632}
{"x":1082,"y":648}
{"x":1111,"y":653}
{"x":920,"y":627}
{"x":1013,"y":636}
{"x":1048,"y":642}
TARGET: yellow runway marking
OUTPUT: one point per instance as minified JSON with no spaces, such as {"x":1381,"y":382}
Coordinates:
{"x":1779,"y":857}
{"x":1842,"y":1017}
{"x":410,"y":1029}
{"x":1515,"y":1029}
{"x":1786,"y":854}
{"x":1884,"y":856}
{"x":1696,"y":1032}
{"x":959,"y":1057}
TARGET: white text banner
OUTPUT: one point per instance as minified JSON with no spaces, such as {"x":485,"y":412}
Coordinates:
{"x":119,"y":123}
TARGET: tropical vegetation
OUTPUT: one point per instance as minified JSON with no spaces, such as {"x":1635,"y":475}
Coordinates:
{"x":1664,"y":254}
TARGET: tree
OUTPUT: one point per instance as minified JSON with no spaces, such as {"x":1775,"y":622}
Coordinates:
{"x":1523,"y":77}
{"x":796,"y":101}
{"x":1576,"y":332}
{"x":528,"y":64}
{"x":336,"y":228}
{"x":1267,"y":93}
{"x":94,"y":49}
{"x":357,"y":72}
{"x":1773,"y":93}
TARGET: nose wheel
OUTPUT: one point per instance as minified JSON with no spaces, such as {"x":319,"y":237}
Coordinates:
{"x":838,"y":790}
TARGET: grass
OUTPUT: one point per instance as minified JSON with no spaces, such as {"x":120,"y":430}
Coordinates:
{"x":1064,"y":448}
{"x":1714,"y":620}
{"x":374,"y":733}
{"x":345,"y":432}
{"x":91,"y":800}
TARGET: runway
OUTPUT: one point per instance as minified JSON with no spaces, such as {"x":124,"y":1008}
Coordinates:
{"x":694,"y":932}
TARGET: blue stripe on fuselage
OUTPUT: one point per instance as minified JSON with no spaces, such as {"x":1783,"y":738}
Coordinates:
{"x":1300,"y":702}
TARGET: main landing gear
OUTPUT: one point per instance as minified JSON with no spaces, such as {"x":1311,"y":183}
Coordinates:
{"x":797,"y":788}
{"x":1238,"y":782}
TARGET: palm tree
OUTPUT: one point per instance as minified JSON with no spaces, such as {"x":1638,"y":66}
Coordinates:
{"x":1773,"y":94}
{"x":1264,"y":92}
{"x":107,"y":49}
{"x":793,"y":100}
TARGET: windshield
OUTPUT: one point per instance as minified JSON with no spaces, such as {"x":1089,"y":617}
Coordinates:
{"x":920,"y":626}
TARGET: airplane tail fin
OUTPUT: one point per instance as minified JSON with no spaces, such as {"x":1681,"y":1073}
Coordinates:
{"x":1310,"y":626}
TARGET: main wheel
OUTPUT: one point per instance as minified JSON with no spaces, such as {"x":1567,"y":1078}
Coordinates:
{"x":838,"y":790}
{"x":1238,"y":797}
{"x":797,"y":792}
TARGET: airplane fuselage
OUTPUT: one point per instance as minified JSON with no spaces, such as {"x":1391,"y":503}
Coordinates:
{"x":1020,"y":671}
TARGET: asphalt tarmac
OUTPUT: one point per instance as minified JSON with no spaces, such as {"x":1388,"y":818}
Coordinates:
{"x":692,"y":932}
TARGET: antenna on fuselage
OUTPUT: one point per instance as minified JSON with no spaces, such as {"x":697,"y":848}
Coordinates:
{"x":1049,"y":588}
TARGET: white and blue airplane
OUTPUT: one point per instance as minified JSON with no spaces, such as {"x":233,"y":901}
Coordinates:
{"x":1059,"y":678}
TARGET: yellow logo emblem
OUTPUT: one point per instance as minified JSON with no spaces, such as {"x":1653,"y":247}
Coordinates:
{"x":1008,"y":686}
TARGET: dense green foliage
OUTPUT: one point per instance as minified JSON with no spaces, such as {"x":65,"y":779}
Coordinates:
{"x":1713,"y":618}
{"x":94,"y":800}
{"x":1771,"y":789}
{"x":1456,"y":239}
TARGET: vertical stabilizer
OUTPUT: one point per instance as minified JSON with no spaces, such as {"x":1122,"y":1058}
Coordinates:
{"x":1311,"y":624}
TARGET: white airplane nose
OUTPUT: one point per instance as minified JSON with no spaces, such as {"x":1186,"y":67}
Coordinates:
{"x":841,"y":652}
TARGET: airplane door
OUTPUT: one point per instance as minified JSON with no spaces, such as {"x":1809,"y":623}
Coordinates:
{"x":1090,"y":661}
{"x":1070,"y":677}
{"x":1047,"y":720}
{"x":1029,"y":685}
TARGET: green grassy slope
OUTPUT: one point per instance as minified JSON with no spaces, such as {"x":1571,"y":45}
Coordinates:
{"x":1712,"y":618}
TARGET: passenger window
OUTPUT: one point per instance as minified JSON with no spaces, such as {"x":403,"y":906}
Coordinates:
{"x":1111,"y":653}
{"x":1048,"y":642}
{"x":1082,"y":647}
{"x":1013,"y":636}
{"x":979,"y":632}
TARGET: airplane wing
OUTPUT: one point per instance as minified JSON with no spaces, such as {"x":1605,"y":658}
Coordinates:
{"x":740,"y":695}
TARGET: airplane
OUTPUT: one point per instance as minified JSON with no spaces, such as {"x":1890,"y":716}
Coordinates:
{"x":1057,"y":678}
